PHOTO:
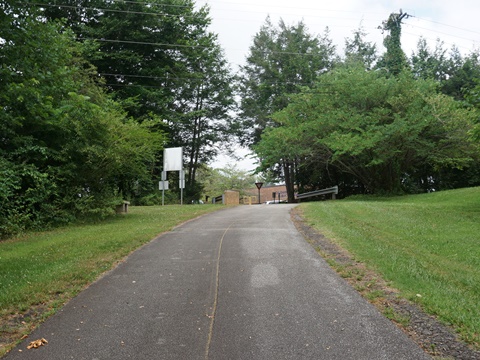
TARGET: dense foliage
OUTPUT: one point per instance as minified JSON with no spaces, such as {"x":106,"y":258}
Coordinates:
{"x":368,"y":123}
{"x":159,"y":58}
{"x":67,"y":149}
{"x":371,"y":133}
{"x":92,"y":91}
{"x":282,"y":60}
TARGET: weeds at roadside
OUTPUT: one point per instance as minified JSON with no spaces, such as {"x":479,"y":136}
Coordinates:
{"x":395,"y":316}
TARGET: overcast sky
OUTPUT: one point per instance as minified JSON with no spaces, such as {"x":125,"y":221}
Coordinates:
{"x":236,"y":22}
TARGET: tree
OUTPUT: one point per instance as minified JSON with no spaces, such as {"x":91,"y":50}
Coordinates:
{"x":430,"y":65}
{"x":160,"y":59}
{"x":389,"y":134}
{"x":201,"y":120}
{"x":139,"y":46}
{"x":216,"y":181}
{"x":463,"y":74}
{"x":394,"y":60}
{"x":67,"y":149}
{"x":359,"y":50}
{"x":281,"y":61}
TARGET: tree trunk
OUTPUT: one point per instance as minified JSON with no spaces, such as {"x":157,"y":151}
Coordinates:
{"x":289,"y":181}
{"x":196,"y":139}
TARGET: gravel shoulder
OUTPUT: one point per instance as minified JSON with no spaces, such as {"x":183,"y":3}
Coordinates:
{"x":437,"y":339}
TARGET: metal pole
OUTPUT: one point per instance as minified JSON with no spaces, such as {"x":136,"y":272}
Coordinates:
{"x":164,"y":177}
{"x":182,"y":184}
{"x":259,"y":186}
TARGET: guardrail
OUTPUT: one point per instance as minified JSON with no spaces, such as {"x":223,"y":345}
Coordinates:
{"x":217,"y":200}
{"x":332,"y":190}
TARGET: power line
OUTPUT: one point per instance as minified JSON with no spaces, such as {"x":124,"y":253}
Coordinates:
{"x":236,"y":11}
{"x":439,"y":32}
{"x":147,"y":43}
{"x":150,"y":3}
{"x":433,"y":39}
{"x":293,"y":7}
{"x":236,"y":19}
{"x":154,"y":77}
{"x":200,"y":46}
{"x":439,"y":23}
{"x":191,"y":46}
{"x":339,"y":11}
{"x":109,"y":10}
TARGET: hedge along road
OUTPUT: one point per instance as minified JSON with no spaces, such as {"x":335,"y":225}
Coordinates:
{"x":240,"y":283}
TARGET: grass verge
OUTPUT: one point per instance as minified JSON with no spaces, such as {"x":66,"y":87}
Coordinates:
{"x":426,"y":246}
{"x":39,"y":272}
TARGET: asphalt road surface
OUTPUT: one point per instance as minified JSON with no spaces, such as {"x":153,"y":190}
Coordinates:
{"x":240,"y":283}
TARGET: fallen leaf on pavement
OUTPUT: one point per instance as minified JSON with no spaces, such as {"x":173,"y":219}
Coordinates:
{"x":37,"y":343}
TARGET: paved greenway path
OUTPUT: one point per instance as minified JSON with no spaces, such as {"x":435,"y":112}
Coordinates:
{"x":240,"y":283}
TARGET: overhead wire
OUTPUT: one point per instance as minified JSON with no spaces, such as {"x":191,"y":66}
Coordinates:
{"x":108,"y":10}
{"x":150,"y":3}
{"x":452,"y":26}
{"x":148,"y":43}
{"x":173,"y":46}
{"x":439,"y":32}
{"x":241,"y":19}
{"x":192,"y":46}
{"x":248,"y":11}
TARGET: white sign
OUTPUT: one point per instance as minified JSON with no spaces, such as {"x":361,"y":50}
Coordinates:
{"x":173,"y":159}
{"x":163,"y":185}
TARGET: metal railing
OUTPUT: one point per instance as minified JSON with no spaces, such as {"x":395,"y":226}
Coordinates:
{"x":217,"y":200}
{"x":332,"y":190}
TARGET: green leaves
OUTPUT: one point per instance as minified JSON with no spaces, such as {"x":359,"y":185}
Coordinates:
{"x":67,"y":149}
{"x":282,"y":59}
{"x":375,"y":128}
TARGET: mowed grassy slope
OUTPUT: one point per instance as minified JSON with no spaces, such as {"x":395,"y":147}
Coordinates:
{"x":427,"y":246}
{"x":40,"y":271}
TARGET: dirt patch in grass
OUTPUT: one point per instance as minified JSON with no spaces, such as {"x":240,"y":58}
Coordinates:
{"x":435,"y":338}
{"x":16,"y":326}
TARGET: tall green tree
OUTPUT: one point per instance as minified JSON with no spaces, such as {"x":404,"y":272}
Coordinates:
{"x":139,"y":45}
{"x":160,"y":59}
{"x":67,"y":149}
{"x":427,"y":64}
{"x":281,"y":61}
{"x":357,"y":49}
{"x":463,"y":74}
{"x":201,"y":119}
{"x":394,"y":60}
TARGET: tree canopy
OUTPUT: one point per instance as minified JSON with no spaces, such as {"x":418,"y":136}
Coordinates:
{"x":92,"y":91}
{"x":67,"y":149}
{"x":160,"y":59}
{"x":378,"y":133}
{"x":282,"y":60}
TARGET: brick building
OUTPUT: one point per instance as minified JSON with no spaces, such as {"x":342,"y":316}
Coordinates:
{"x":266,"y":193}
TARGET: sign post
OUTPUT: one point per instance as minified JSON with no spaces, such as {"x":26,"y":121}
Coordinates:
{"x":163,"y":186}
{"x":182,"y":185}
{"x":259,"y":186}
